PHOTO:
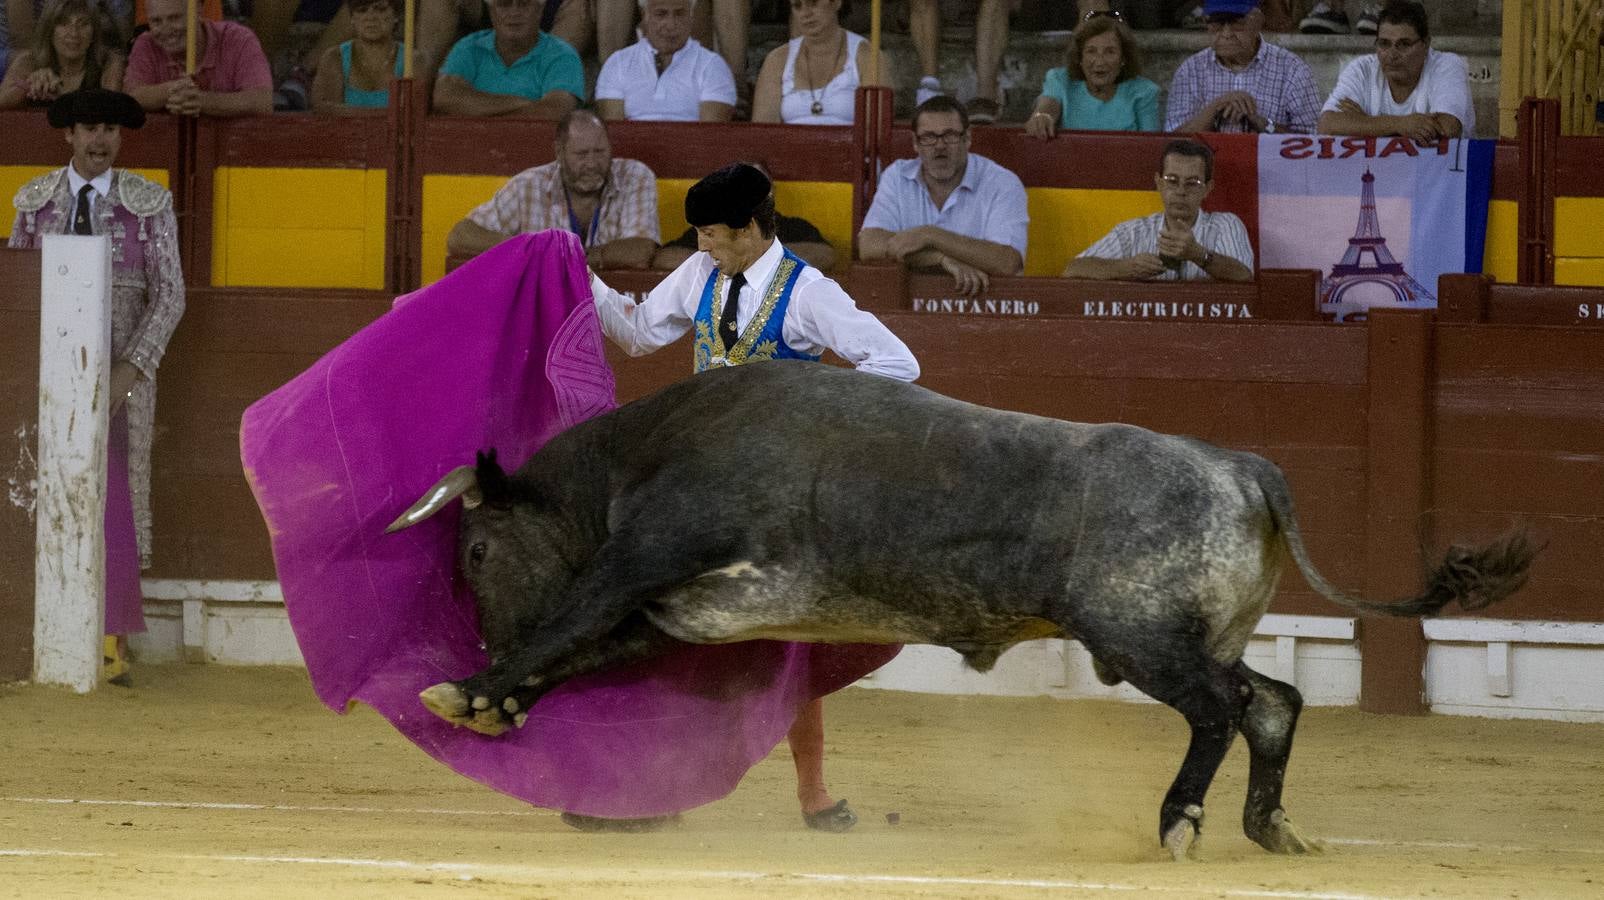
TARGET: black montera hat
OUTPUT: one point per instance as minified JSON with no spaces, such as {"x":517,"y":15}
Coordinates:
{"x":95,"y":106}
{"x":727,"y":197}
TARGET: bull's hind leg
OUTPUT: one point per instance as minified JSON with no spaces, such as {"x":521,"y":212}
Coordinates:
{"x":1268,"y":724}
{"x":1171,"y":665}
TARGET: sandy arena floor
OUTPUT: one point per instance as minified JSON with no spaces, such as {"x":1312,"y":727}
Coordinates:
{"x":205,"y":781}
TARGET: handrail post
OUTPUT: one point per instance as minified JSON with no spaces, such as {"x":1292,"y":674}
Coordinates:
{"x":1538,"y":135}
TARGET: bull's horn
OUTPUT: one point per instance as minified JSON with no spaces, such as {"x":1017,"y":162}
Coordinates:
{"x":459,"y":482}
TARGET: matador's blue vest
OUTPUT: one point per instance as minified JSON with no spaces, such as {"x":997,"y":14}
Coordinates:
{"x":764,"y":337}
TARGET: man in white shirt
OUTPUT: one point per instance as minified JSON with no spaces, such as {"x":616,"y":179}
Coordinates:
{"x":749,"y":299}
{"x":1406,"y":88}
{"x":666,"y":76}
{"x":1180,"y":243}
{"x":948,"y":209}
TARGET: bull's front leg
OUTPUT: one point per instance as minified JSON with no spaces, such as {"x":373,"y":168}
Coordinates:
{"x":504,"y":693}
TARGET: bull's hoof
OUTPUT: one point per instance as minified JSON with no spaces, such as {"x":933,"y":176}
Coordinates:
{"x":835,"y":819}
{"x":475,"y":713}
{"x":1184,"y":837}
{"x":1279,"y":836}
{"x":447,"y":701}
{"x":601,"y":825}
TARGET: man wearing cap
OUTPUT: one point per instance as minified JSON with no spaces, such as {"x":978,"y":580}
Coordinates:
{"x":1241,"y":82}
{"x":610,"y":203}
{"x":88,"y":196}
{"x":750,"y":299}
{"x":1180,"y":243}
{"x":510,"y":69}
{"x":231,"y":77}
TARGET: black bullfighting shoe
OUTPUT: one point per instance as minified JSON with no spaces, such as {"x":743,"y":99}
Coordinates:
{"x":837,"y":818}
{"x":621,"y":826}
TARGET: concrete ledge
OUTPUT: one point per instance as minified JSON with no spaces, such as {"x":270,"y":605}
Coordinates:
{"x":1475,"y":667}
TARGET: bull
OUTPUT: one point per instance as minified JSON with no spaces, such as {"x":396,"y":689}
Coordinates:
{"x":801,"y":502}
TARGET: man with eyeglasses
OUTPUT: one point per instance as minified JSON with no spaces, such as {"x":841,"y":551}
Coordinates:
{"x":511,"y":68}
{"x":1241,"y":82}
{"x":1183,"y":242}
{"x":1406,"y":88}
{"x":947,"y":210}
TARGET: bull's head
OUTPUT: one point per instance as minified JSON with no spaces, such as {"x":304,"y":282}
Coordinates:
{"x":503,"y":549}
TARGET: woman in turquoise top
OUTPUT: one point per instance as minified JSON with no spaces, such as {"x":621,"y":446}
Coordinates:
{"x":356,"y":74}
{"x":1100,"y":88}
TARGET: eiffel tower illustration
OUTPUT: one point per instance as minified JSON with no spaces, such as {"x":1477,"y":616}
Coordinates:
{"x":1381,"y":268}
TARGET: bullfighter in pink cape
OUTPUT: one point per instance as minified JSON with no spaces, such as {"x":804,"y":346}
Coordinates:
{"x":504,"y":353}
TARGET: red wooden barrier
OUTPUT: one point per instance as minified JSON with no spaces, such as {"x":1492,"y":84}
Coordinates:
{"x":19,"y":450}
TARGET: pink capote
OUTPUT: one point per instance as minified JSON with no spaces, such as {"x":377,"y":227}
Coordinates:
{"x":505,"y":352}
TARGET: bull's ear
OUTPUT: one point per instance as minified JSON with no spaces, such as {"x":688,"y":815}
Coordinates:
{"x":459,"y":482}
{"x":492,"y":481}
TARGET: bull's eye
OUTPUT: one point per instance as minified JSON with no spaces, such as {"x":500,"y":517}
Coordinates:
{"x":476,"y":553}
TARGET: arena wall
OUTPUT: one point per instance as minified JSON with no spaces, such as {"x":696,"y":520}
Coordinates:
{"x":1503,"y":382}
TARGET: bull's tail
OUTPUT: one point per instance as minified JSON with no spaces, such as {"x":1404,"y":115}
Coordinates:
{"x":1474,"y":577}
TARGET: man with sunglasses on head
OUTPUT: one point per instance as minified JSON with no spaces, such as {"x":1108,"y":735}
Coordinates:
{"x":1241,"y":82}
{"x":1406,"y":88}
{"x":948,"y":209}
{"x":1181,"y":243}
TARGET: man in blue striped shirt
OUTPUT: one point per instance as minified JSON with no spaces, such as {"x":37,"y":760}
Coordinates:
{"x":1241,"y":82}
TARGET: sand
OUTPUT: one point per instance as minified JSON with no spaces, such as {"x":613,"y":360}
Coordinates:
{"x":208,"y":781}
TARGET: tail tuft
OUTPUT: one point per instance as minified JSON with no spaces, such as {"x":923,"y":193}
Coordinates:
{"x":1479,"y":577}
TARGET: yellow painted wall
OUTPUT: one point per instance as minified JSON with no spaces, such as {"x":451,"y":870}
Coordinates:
{"x":1065,"y":221}
{"x":307,"y":228}
{"x":1579,"y":240}
{"x":1500,"y":256}
{"x":14,"y":177}
{"x":448,"y":198}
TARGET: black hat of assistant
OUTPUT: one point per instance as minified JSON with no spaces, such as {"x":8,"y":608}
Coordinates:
{"x":95,"y":106}
{"x":727,"y":197}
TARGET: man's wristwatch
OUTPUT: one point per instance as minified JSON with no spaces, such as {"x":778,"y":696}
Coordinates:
{"x":1269,"y":127}
{"x":1208,"y":260}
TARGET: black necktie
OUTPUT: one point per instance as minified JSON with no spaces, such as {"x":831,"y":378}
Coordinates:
{"x":726,"y":319}
{"x":80,"y":219}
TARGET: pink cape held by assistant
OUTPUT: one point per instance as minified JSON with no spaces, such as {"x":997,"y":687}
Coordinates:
{"x":503,"y":353}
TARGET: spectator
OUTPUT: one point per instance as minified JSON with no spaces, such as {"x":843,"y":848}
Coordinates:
{"x":610,"y":203}
{"x":512,"y":68}
{"x":730,"y":21}
{"x":356,"y":74}
{"x":948,"y":209}
{"x":17,"y":21}
{"x":231,"y":75}
{"x":442,"y":22}
{"x":813,"y":78}
{"x":666,"y":76}
{"x":1241,"y":82}
{"x":1331,"y":17}
{"x":1182,"y":241}
{"x":798,"y":235}
{"x":991,"y":38}
{"x":88,"y":196}
{"x":1406,"y":88}
{"x":1100,"y":87}
{"x":70,"y":50}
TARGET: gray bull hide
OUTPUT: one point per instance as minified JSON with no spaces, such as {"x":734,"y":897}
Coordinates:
{"x":802,"y":502}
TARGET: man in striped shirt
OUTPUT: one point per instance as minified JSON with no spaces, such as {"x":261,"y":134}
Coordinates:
{"x":1241,"y":82}
{"x":1181,"y":243}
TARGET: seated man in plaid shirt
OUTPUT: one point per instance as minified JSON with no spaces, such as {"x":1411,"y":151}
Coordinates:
{"x":610,"y":203}
{"x":1241,"y":82}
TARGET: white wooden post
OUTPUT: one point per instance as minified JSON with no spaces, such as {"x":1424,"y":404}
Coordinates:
{"x":74,"y":374}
